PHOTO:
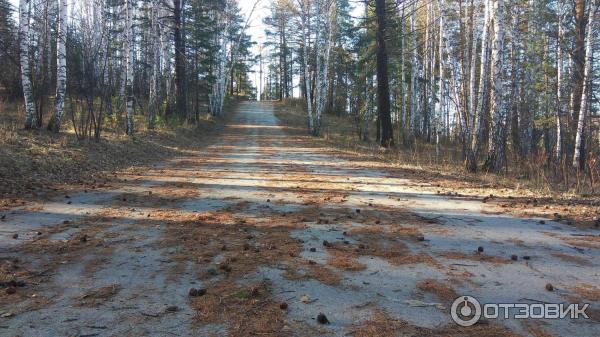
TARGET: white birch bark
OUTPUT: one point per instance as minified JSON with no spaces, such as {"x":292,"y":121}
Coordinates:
{"x":24,"y":24}
{"x":155,"y":64}
{"x":129,"y":64}
{"x":559,"y":81}
{"x":440,"y":89}
{"x":403,"y":118}
{"x":483,"y":80}
{"x":496,"y":154}
{"x":307,"y":78}
{"x":61,"y":66}
{"x":323,"y":60}
{"x":579,"y":137}
{"x":414,"y":69}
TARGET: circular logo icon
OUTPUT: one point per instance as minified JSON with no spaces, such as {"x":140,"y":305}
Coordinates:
{"x":465,"y":311}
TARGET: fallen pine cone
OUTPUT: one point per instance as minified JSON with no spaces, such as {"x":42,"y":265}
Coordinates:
{"x":322,"y":319}
{"x":197,"y":292}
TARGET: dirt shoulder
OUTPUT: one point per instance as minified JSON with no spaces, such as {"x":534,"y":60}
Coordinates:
{"x":36,"y":164}
{"x":515,"y":195}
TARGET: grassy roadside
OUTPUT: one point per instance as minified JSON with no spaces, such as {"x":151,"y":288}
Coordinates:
{"x":520,"y":195}
{"x":33,"y":164}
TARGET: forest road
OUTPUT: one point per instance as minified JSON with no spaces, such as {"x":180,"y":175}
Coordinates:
{"x":264,"y":216}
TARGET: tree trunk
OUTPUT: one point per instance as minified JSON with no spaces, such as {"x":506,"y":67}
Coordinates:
{"x":307,"y":77}
{"x":24,"y":24}
{"x":481,"y":92}
{"x":129,"y":64}
{"x":61,"y":68}
{"x":559,"y":81}
{"x":414,"y":107}
{"x":383,"y":85}
{"x":496,"y":153}
{"x":180,"y":72}
{"x":155,"y":65}
{"x":578,"y":163}
{"x":578,"y":57}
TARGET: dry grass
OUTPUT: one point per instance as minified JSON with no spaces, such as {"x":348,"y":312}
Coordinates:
{"x":588,"y":241}
{"x":587,"y":291}
{"x":345,"y":262}
{"x":382,"y":324}
{"x":479,"y":257}
{"x":580,"y":260}
{"x":247,"y":309}
{"x":438,"y":288}
{"x":536,"y":330}
{"x":98,"y":296}
{"x":235,"y":248}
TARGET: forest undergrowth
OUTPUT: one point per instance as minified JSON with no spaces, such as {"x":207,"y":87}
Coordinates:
{"x":34,"y":164}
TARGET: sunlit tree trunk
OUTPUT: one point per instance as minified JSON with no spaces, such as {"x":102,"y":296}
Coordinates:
{"x":414,"y":126}
{"x":180,"y":66}
{"x":479,"y":104}
{"x":24,"y":24}
{"x":496,"y":153}
{"x":129,"y":64}
{"x":559,"y":80}
{"x":441,"y":83}
{"x":585,"y":95}
{"x":61,"y":68}
{"x":306,"y":46}
{"x":155,"y":64}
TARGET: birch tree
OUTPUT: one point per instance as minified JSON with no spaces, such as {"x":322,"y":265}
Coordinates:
{"x":559,"y":79}
{"x":496,"y":153}
{"x":128,"y":46}
{"x":61,"y":68}
{"x":155,"y":63}
{"x":478,"y":103}
{"x":585,"y":94}
{"x":24,"y":24}
{"x":305,"y":17}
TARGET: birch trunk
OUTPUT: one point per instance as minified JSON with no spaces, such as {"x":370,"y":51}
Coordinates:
{"x":414,"y":68}
{"x":579,"y":137}
{"x":323,"y":60}
{"x":496,"y":153}
{"x":24,"y":24}
{"x":559,"y":81}
{"x":481,"y":92}
{"x":307,"y":77}
{"x":402,"y":77}
{"x":155,"y":64}
{"x":61,"y":68}
{"x":129,"y":64}
{"x":440,"y":95}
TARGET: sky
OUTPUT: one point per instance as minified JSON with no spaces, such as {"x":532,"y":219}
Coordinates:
{"x":256,"y":29}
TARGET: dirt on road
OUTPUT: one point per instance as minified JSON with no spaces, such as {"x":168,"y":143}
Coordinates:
{"x":263,"y":231}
